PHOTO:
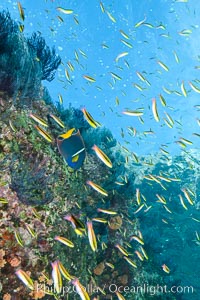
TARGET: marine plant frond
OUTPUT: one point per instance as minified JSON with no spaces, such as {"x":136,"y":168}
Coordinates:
{"x":47,"y":57}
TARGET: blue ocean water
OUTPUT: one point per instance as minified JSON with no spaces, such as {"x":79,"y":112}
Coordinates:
{"x":137,"y":51}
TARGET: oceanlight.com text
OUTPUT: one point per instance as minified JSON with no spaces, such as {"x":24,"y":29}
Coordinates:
{"x":113,"y":288}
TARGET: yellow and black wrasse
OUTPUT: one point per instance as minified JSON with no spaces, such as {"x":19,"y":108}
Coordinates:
{"x":38,"y":120}
{"x":182,"y":202}
{"x":97,"y":188}
{"x":21,"y":11}
{"x":65,"y":10}
{"x":165,"y":268}
{"x":137,"y":238}
{"x":119,"y":296}
{"x":89,"y":78}
{"x":99,"y":220}
{"x":64,"y":272}
{"x":71,"y":146}
{"x":154,"y":110}
{"x":56,"y":276}
{"x":130,"y":261}
{"x":77,"y":224}
{"x":80,"y":289}
{"x":23,"y":276}
{"x":138,"y":198}
{"x":187,"y":196}
{"x":103,"y":157}
{"x":19,"y":239}
{"x":43,"y":133}
{"x":122,"y":250}
{"x":57,"y":120}
{"x":109,"y":265}
{"x":92,"y":236}
{"x":31,"y":231}
{"x":64,"y":241}
{"x":139,"y":255}
{"x":90,"y":119}
{"x":107,"y":211}
{"x":144,"y":253}
{"x":133,"y":113}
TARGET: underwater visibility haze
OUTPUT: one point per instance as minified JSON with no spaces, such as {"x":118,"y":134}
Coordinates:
{"x":100,"y":149}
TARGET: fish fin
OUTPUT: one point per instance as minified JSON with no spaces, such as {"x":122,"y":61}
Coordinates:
{"x":67,"y":134}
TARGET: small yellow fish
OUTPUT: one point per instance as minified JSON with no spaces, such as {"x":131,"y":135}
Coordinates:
{"x":30,"y":230}
{"x":165,"y":268}
{"x":64,"y":10}
{"x":92,"y":236}
{"x":126,"y":43}
{"x":102,"y":7}
{"x":19,"y":239}
{"x":187,"y":196}
{"x":89,"y":78}
{"x":80,"y":289}
{"x":124,"y":34}
{"x":64,"y":241}
{"x":23,"y":276}
{"x":120,"y":56}
{"x":21,"y":11}
{"x":130,"y":261}
{"x":121,"y":249}
{"x":194,"y":87}
{"x":97,"y":188}
{"x":163,"y":65}
{"x":57,"y":120}
{"x":140,"y":23}
{"x":60,"y":99}
{"x":115,"y":76}
{"x":133,"y":113}
{"x":104,"y":158}
{"x":111,"y":17}
{"x":100,"y":220}
{"x":119,"y":296}
{"x":138,"y":198}
{"x":56,"y":276}
{"x":90,"y":119}
{"x":138,"y":239}
{"x":139,"y":255}
{"x":38,"y":120}
{"x":64,"y":272}
{"x":183,"y":89}
{"x":107,"y":211}
{"x":43,"y":133}
{"x":182,"y":202}
{"x":154,"y":109}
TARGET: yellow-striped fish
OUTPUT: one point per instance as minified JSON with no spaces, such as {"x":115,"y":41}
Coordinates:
{"x":89,"y":78}
{"x":21,"y":11}
{"x":97,"y":187}
{"x":92,"y":236}
{"x":57,"y":120}
{"x":64,"y":10}
{"x":154,"y":110}
{"x":56,"y":276}
{"x":80,"y":289}
{"x":64,"y":241}
{"x":107,"y":211}
{"x":38,"y":120}
{"x":23,"y":276}
{"x":103,"y":157}
{"x":90,"y":119}
{"x":43,"y":133}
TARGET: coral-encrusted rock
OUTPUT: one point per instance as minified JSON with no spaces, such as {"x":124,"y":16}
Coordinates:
{"x":115,"y":222}
{"x":99,"y":269}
